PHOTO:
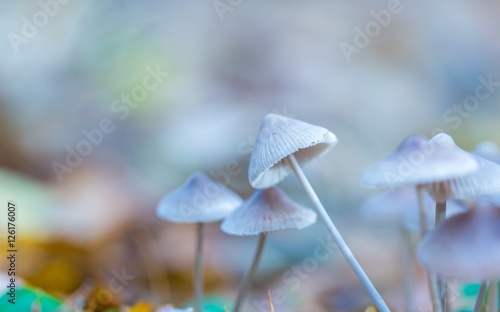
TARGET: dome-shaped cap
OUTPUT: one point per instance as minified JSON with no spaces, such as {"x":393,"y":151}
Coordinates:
{"x":265,"y":211}
{"x":279,"y":137}
{"x":201,"y":199}
{"x":465,"y":246}
{"x":481,"y":182}
{"x":417,"y":162}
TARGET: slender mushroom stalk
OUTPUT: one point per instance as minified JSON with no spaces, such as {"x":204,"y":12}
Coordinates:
{"x":493,"y":296}
{"x":199,"y":201}
{"x":270,"y":300}
{"x":478,"y":306}
{"x":358,"y":270}
{"x":265,"y":211}
{"x":281,"y":137}
{"x":440,"y":212}
{"x":432,"y":280}
{"x":407,"y":266}
{"x":198,"y":270}
{"x":248,"y":277}
{"x":441,"y":281}
{"x":421,"y":210}
{"x":434,"y":292}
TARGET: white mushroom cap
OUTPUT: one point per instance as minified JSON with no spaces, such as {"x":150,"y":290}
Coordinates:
{"x":201,"y":199}
{"x":465,"y":246}
{"x":265,"y":211}
{"x":418,"y":162}
{"x":279,"y":137}
{"x":482,"y":182}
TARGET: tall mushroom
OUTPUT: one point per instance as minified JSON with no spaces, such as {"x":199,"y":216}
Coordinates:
{"x":199,"y":201}
{"x":417,"y":162}
{"x":265,"y":211}
{"x":283,"y":145}
{"x":481,"y":182}
{"x":465,"y":246}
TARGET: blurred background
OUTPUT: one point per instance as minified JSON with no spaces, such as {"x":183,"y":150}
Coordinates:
{"x":165,"y":88}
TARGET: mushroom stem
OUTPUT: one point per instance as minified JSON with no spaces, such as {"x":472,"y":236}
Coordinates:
{"x":436,"y":302}
{"x":248,"y":277}
{"x":493,"y":296}
{"x":421,"y":210}
{"x":440,"y":212}
{"x":270,"y":299}
{"x":431,"y":279}
{"x":441,"y":281}
{"x":408,"y":269}
{"x":198,"y":269}
{"x":377,"y":299}
{"x":480,"y":297}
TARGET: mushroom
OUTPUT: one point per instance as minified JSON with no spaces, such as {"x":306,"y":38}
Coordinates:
{"x":417,"y":162}
{"x":465,"y":246}
{"x":483,"y":181}
{"x":199,"y":201}
{"x":284,"y":144}
{"x":265,"y":211}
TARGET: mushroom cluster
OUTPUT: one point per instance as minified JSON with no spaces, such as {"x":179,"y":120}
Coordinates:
{"x":445,"y":171}
{"x":424,"y":178}
{"x":283,"y":145}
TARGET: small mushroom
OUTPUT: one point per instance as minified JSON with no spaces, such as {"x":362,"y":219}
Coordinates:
{"x":418,"y":162}
{"x":485,"y":180}
{"x":267,"y":210}
{"x":199,"y":201}
{"x":465,"y":246}
{"x":279,"y":138}
{"x":282,"y":145}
